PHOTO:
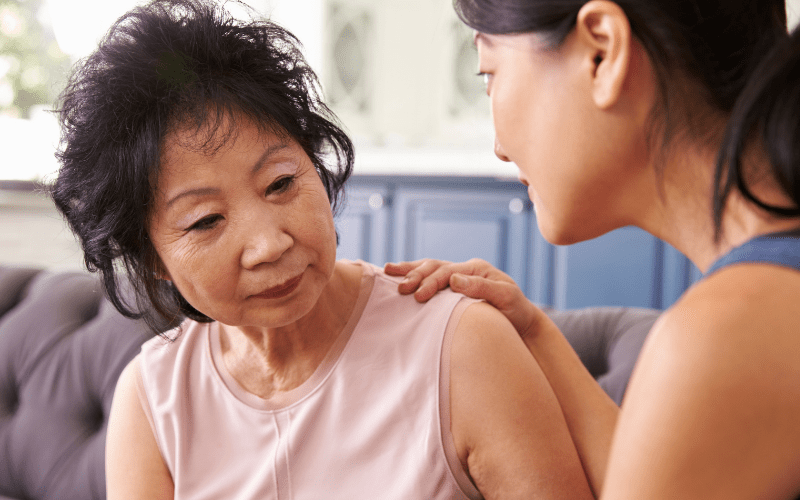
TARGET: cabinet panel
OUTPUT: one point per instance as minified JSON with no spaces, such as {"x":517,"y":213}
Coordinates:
{"x":453,"y":218}
{"x":623,"y":267}
{"x":458,"y":225}
{"x":363,"y":225}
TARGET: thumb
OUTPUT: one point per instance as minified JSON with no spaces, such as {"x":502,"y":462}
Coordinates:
{"x":475,"y":287}
{"x":459,"y":283}
{"x":504,"y":296}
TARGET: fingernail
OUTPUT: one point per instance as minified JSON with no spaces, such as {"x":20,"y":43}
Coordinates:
{"x":458,"y":280}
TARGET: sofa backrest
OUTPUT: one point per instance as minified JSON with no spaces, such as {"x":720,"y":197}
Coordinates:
{"x":62,"y":348}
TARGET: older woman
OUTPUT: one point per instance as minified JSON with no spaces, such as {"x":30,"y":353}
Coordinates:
{"x":680,"y":118}
{"x":197,"y":158}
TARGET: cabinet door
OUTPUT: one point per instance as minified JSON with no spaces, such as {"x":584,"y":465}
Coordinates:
{"x":459,"y":224}
{"x":626,"y":267}
{"x":407,"y":218}
{"x":363,"y":224}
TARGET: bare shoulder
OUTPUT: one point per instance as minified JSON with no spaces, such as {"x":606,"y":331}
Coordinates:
{"x":134,"y":466}
{"x":739,"y":314}
{"x":711,"y":408}
{"x":481,"y":327}
{"x":508,"y":429}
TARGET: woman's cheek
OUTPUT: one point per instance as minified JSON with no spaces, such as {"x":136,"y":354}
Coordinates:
{"x":189,"y":256}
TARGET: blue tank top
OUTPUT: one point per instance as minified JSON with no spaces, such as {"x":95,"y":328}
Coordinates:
{"x":782,"y":249}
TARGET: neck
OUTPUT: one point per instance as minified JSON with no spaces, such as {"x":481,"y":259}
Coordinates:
{"x":266,"y":361}
{"x":682,"y":215}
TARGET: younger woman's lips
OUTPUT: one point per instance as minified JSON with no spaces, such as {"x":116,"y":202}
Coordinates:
{"x":281,"y":290}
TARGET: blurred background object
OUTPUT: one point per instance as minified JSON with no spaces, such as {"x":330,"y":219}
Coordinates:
{"x":399,"y":74}
{"x":32,"y":64}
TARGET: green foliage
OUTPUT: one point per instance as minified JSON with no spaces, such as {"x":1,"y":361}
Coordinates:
{"x":33,"y":69}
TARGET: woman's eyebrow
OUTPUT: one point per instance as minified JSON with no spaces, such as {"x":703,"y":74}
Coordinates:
{"x":192,"y":192}
{"x":270,"y":151}
{"x":258,"y":165}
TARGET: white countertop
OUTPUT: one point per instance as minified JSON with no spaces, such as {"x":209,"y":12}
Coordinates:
{"x":431,"y":161}
{"x":28,"y":148}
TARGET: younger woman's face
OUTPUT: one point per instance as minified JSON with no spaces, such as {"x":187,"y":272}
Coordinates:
{"x":547,"y":123}
{"x":246,"y":234}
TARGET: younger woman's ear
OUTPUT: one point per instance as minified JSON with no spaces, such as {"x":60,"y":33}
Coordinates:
{"x":604,"y":32}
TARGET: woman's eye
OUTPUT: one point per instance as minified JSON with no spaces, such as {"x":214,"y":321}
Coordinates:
{"x":205,"y":223}
{"x":281,"y":185}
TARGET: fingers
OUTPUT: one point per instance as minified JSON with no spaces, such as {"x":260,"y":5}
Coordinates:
{"x":499,"y":294}
{"x":437,"y":280}
{"x":400,"y":268}
{"x":415,"y":272}
{"x":425,"y":277}
{"x":475,"y":278}
{"x":505,"y":296}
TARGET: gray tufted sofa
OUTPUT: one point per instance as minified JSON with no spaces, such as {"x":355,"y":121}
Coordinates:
{"x":62,"y":347}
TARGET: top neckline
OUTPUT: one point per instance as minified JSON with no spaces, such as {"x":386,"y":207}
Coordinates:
{"x":771,"y":248}
{"x":284,"y":400}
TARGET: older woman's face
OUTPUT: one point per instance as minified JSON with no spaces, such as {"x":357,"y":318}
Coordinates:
{"x":246,"y":234}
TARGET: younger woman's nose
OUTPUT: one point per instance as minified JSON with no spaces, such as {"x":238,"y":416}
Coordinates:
{"x":498,"y":150}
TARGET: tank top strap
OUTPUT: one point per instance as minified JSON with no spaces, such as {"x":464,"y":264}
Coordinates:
{"x":782,"y":249}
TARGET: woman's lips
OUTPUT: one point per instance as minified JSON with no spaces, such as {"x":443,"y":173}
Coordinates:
{"x":280,"y":290}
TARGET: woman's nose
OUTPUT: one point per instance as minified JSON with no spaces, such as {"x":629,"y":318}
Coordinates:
{"x":264,"y":242}
{"x":498,"y":150}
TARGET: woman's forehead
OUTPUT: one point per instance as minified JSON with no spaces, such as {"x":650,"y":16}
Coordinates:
{"x":215,"y":130}
{"x":216,"y":134}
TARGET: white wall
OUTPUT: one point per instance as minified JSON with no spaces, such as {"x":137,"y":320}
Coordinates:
{"x":32,"y":233}
{"x":408,"y":128}
{"x":793,"y":13}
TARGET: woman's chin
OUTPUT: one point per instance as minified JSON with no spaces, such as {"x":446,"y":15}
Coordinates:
{"x":565,"y":233}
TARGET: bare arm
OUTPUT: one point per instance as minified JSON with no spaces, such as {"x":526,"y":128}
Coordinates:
{"x":506,"y":422}
{"x":135,"y":469}
{"x":590,"y":414}
{"x":711,"y":411}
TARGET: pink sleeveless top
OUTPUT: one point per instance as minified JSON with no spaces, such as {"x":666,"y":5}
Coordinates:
{"x":372,"y":422}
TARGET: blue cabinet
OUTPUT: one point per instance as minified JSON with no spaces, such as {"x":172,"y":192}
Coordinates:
{"x":461,"y":223}
{"x":363,"y":223}
{"x":395,"y":218}
{"x":623,"y":267}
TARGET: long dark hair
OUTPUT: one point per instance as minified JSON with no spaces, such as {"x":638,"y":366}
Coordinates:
{"x":738,"y":51}
{"x":168,"y":64}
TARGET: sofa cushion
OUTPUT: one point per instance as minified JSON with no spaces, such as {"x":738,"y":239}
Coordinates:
{"x":608,"y":341}
{"x":62,"y":348}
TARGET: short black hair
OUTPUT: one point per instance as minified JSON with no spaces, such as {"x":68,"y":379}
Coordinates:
{"x":162,"y":66}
